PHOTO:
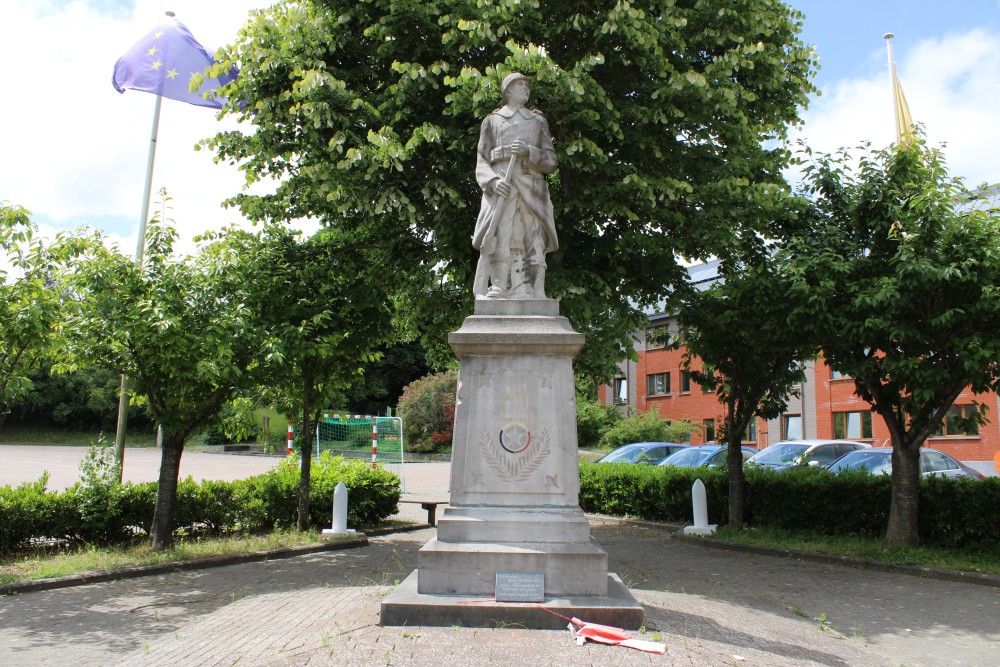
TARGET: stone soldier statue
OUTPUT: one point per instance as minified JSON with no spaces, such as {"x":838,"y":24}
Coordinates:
{"x":515,"y":228}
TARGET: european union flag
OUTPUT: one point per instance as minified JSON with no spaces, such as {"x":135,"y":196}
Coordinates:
{"x":165,"y":61}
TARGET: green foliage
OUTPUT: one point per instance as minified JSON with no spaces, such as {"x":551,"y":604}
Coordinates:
{"x":366,"y":114}
{"x":427,"y":408}
{"x":953,"y":512}
{"x":646,"y":427}
{"x":98,"y":511}
{"x":593,"y":419}
{"x":656,"y":493}
{"x":899,"y":268}
{"x":83,"y":399}
{"x":382,"y":381}
{"x":179,"y":327}
{"x":33,"y":300}
{"x":737,"y":342}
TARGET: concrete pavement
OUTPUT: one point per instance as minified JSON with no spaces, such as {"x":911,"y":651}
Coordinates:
{"x":710,"y":607}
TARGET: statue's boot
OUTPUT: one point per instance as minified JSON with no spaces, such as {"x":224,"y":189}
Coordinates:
{"x":538,"y":281}
{"x":499,"y":274}
{"x":482,"y":280}
{"x":520,"y":288}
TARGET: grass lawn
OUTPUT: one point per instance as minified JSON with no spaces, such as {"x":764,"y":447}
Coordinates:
{"x":45,"y":565}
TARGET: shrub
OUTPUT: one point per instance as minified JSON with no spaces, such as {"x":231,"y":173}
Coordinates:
{"x":427,"y":408}
{"x":646,"y":427}
{"x":593,"y":419}
{"x":953,"y":512}
{"x":96,"y":511}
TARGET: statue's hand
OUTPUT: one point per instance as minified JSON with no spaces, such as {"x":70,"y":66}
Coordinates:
{"x":520,"y":148}
{"x":502,"y":188}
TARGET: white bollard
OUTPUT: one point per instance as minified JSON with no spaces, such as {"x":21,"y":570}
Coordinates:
{"x":339,"y":513}
{"x":700,"y":509}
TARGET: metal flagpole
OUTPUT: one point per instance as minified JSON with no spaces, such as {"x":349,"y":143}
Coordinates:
{"x":140,"y":247}
{"x":892,"y":76}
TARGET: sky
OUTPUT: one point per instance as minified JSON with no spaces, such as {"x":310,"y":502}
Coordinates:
{"x":73,"y":151}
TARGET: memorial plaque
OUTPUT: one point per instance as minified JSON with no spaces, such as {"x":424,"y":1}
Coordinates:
{"x":520,"y":587}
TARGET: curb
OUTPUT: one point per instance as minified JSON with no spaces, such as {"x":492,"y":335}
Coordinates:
{"x":30,"y":586}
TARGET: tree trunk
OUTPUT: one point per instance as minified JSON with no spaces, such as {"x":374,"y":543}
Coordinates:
{"x":305,"y":450}
{"x":162,"y":532}
{"x":737,"y":482}
{"x":904,"y":528}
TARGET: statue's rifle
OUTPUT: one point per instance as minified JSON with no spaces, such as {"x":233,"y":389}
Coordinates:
{"x":490,"y":237}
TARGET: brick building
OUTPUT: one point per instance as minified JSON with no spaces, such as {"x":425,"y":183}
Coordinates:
{"x":826,"y":405}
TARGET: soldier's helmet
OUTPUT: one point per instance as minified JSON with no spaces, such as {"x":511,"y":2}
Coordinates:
{"x":511,"y":78}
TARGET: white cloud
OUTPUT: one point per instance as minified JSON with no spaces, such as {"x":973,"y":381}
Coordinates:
{"x":951,"y":87}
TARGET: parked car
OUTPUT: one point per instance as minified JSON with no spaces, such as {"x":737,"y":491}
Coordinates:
{"x":710,"y":456}
{"x":878,"y":460}
{"x":797,"y":453}
{"x":642,"y":452}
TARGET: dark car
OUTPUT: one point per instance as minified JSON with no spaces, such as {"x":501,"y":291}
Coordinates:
{"x":710,"y":456}
{"x":879,"y":460}
{"x":642,"y":452}
{"x":799,"y":453}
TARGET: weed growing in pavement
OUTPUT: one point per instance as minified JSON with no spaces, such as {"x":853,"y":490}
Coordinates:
{"x":798,"y":612}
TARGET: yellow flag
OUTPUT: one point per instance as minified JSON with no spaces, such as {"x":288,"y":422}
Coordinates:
{"x":904,"y":121}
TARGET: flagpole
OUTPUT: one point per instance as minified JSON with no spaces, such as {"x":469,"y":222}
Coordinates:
{"x":140,"y":247}
{"x":892,"y":82}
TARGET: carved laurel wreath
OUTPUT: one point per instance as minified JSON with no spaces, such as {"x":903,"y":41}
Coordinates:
{"x":511,"y":468}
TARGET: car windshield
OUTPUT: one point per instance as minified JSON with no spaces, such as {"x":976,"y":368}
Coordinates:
{"x":624,"y":455}
{"x":874,"y":462}
{"x":777,"y":454}
{"x":687,"y":458}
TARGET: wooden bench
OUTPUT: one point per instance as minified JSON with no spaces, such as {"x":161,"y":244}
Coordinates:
{"x":430,"y":506}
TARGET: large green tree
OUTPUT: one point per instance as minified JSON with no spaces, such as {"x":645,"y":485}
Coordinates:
{"x":900,"y":265}
{"x":663,"y":114}
{"x":325,"y":311}
{"x":739,"y":344}
{"x":180,"y":328}
{"x":33,"y":299}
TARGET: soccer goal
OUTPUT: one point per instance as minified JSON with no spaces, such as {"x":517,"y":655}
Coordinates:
{"x":361,"y":437}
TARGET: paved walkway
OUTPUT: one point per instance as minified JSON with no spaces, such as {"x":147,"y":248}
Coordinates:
{"x":710,"y":607}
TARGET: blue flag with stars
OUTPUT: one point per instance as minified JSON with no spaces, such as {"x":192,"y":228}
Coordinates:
{"x":165,"y":62}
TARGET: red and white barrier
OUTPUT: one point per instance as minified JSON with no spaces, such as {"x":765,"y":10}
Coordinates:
{"x":291,"y":439}
{"x":374,"y":443}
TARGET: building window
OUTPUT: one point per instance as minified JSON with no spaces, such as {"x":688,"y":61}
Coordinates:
{"x":658,"y":384}
{"x":705,"y":389}
{"x":750,"y":435}
{"x":657,"y":337}
{"x":709,"y":427}
{"x":685,"y":382}
{"x":791,"y":427}
{"x":852,"y":425}
{"x":837,"y":375}
{"x":620,"y":391}
{"x":958,"y":423}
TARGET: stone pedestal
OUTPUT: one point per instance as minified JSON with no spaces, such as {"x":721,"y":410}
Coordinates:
{"x":515,"y":478}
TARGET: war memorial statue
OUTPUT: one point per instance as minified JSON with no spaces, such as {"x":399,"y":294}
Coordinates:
{"x":513,"y":531}
{"x":516,"y":227}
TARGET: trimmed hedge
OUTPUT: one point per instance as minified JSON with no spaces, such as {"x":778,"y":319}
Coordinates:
{"x":97,"y":512}
{"x":952,"y":512}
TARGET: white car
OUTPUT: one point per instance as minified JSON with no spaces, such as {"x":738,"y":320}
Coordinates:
{"x":798,"y":453}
